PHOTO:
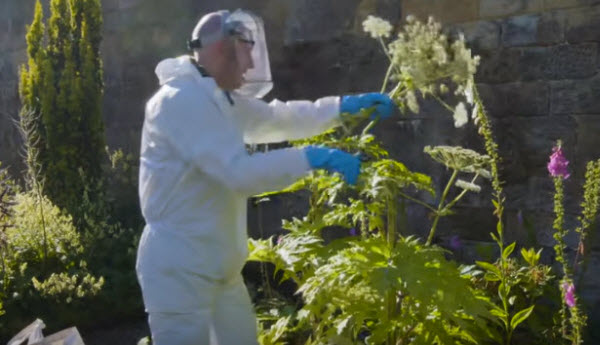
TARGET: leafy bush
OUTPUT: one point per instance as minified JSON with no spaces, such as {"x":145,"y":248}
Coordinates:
{"x":42,"y":262}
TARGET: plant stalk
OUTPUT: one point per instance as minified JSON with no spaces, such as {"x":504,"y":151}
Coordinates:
{"x":392,"y":215}
{"x":441,"y":207}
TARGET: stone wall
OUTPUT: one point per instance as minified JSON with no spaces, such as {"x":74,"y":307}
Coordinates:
{"x":538,"y":77}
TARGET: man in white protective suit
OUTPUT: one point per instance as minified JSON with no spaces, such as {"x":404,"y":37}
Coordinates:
{"x":196,"y":176}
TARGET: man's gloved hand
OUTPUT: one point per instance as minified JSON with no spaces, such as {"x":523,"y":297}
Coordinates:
{"x":334,"y":160}
{"x":354,"y":103}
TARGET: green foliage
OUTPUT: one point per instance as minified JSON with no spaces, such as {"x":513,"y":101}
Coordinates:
{"x":42,"y":261}
{"x":61,"y":92}
{"x":384,"y":288}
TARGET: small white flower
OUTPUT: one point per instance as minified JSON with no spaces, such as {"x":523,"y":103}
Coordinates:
{"x":460,"y":115}
{"x":484,"y":173}
{"x":377,"y":27}
{"x":444,"y":89}
{"x":411,"y":102}
{"x":468,"y":186}
{"x":469,"y":92}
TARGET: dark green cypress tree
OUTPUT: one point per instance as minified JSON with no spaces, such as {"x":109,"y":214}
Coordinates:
{"x":61,"y":89}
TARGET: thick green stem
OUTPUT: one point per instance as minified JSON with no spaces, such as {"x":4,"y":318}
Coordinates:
{"x":441,"y":207}
{"x":387,"y":77}
{"x":392,"y":215}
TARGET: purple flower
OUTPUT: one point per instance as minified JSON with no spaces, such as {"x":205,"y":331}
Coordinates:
{"x":558,"y":163}
{"x":455,"y":242}
{"x":353,"y":232}
{"x":569,"y":290}
{"x":279,"y":239}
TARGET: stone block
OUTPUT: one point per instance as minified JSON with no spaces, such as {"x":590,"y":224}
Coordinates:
{"x":554,"y":4}
{"x":520,"y":30}
{"x":516,"y":99}
{"x":503,"y":8}
{"x":550,"y":63}
{"x":583,"y":24}
{"x":499,"y":66}
{"x":525,"y":144}
{"x":533,"y":29}
{"x":314,"y":20}
{"x":480,"y":35}
{"x":572,"y":61}
{"x":551,"y":27}
{"x":575,"y":96}
{"x":588,"y":127}
{"x":533,"y":63}
{"x":445,"y":11}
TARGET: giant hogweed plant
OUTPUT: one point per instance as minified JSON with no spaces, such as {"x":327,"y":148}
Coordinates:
{"x":374,"y":285}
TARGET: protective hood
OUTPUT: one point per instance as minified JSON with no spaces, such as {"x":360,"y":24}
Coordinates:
{"x":170,"y":69}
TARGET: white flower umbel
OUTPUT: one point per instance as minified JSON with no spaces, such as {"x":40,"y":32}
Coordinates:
{"x":460,"y":115}
{"x":377,"y":27}
{"x":472,"y":187}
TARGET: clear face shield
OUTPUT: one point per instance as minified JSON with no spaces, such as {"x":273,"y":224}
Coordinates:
{"x":249,"y":28}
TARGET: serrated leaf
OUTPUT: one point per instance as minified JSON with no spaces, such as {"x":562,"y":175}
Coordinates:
{"x":341,"y":326}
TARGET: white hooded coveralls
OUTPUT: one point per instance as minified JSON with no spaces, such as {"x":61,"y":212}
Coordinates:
{"x":195,"y":178}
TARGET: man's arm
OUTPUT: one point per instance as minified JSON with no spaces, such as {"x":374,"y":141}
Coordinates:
{"x":201,"y":135}
{"x":281,"y":121}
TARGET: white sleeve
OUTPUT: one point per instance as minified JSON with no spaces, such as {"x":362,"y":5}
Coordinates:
{"x":200,"y":134}
{"x":281,"y":121}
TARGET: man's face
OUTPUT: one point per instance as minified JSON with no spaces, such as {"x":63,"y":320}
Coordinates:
{"x":238,"y":60}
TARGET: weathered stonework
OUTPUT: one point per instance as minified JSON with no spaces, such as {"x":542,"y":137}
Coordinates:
{"x":481,"y":35}
{"x":503,"y":8}
{"x":583,"y":24}
{"x":575,"y":97}
{"x":516,"y":99}
{"x":446,"y":11}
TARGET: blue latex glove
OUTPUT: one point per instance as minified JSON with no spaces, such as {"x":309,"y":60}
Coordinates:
{"x":334,"y":160}
{"x":354,"y":103}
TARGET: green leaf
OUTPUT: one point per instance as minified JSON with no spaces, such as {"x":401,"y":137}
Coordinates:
{"x":499,"y":313}
{"x":495,"y":237}
{"x":341,"y":326}
{"x":508,"y":250}
{"x":520,"y":317}
{"x":503,"y":291}
{"x":489,"y":267}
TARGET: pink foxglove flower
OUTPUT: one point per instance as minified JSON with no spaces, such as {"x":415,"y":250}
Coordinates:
{"x":569,"y":290}
{"x":558,"y":164}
